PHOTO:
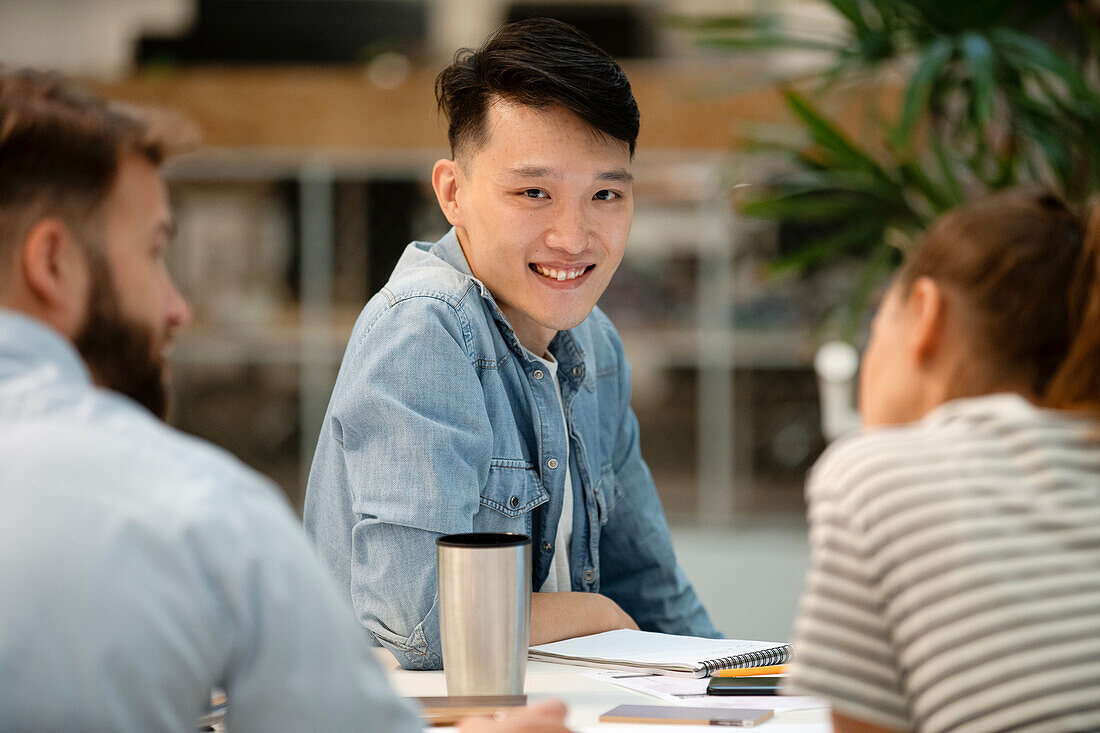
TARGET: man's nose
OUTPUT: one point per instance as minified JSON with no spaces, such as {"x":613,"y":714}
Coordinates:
{"x":571,"y":230}
{"x":179,"y":311}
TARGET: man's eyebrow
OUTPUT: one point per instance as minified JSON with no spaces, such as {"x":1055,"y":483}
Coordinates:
{"x":531,"y":171}
{"x":619,"y":175}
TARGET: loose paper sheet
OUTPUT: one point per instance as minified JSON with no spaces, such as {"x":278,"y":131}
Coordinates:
{"x":689,"y":691}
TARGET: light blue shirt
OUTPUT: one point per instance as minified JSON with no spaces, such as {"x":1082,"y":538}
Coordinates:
{"x":442,"y":422}
{"x":140,"y":567}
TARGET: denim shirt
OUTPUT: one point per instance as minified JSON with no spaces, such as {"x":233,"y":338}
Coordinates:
{"x":442,"y":422}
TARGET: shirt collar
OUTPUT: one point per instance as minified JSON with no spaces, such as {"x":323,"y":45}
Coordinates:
{"x":564,"y":347}
{"x":1010,"y":405}
{"x":449,"y":249}
{"x":26,"y":343}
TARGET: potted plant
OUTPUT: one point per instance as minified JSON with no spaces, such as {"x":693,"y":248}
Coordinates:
{"x":989,"y":94}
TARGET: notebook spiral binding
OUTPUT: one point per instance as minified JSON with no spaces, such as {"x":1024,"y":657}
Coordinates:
{"x":764,"y":658}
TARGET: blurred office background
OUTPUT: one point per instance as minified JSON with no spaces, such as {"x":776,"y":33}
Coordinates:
{"x":319,"y":134}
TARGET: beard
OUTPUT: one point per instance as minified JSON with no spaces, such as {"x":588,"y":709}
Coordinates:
{"x":119,"y":351}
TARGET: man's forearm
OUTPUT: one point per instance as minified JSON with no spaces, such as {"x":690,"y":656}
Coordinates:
{"x":557,"y":616}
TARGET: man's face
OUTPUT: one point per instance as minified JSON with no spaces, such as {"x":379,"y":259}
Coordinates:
{"x":134,"y":309}
{"x":544,"y":211}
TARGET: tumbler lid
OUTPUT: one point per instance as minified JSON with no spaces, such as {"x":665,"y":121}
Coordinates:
{"x":484,"y":539}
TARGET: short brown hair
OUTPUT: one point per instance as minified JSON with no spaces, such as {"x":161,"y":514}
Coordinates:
{"x":1024,"y":266}
{"x":60,"y":149}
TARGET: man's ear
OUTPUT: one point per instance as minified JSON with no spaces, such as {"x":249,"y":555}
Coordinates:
{"x":55,"y":275}
{"x":926,"y":308}
{"x":446,"y":179}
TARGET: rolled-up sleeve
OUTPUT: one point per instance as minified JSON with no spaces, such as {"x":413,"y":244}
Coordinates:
{"x":414,"y":441}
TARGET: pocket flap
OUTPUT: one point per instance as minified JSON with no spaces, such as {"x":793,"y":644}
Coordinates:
{"x":513,"y":488}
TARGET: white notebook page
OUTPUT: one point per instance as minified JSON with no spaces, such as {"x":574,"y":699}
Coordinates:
{"x":648,"y":647}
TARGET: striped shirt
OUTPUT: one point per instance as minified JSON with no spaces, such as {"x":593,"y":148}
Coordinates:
{"x":954,"y":579}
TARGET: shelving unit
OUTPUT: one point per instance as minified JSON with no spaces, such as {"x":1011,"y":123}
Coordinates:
{"x":296,"y":334}
{"x":309,"y":334}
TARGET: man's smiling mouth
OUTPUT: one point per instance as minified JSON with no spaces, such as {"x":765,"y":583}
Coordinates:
{"x":561,"y":275}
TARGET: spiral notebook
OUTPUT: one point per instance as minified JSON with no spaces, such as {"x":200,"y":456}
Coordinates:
{"x":653,"y":653}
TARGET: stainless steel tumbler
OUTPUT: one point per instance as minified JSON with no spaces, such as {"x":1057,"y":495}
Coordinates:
{"x":484,"y":611}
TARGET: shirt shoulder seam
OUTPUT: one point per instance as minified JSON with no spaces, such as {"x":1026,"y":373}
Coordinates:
{"x":448,"y":299}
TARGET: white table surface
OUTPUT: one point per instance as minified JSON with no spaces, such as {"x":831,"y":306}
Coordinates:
{"x":588,"y":698}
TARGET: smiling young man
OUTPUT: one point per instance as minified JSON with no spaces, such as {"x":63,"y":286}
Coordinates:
{"x":482,"y":390}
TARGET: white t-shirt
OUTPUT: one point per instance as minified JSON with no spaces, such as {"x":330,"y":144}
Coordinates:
{"x":954,"y":579}
{"x":558,"y":580}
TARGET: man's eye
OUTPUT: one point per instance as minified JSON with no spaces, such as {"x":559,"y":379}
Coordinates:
{"x":605,"y":195}
{"x":535,"y":193}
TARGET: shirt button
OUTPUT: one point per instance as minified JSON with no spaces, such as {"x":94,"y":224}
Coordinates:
{"x":546,"y":547}
{"x":552,"y":463}
{"x":514,"y":501}
{"x":589,"y":575}
{"x":537,"y":374}
{"x":578,"y":371}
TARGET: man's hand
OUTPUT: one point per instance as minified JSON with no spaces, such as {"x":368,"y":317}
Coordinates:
{"x":557,"y":616}
{"x":547,"y":717}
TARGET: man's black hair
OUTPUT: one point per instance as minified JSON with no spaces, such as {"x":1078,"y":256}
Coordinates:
{"x":539,"y":63}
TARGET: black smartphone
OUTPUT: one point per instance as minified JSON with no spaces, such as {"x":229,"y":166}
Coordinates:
{"x":743,"y":686}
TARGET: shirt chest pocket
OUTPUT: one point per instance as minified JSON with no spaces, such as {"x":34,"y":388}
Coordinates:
{"x":513,"y":488}
{"x":608,"y":492}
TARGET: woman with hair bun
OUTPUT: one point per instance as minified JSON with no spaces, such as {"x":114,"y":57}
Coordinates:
{"x":954,"y":579}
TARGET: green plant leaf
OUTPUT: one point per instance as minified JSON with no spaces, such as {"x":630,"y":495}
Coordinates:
{"x":755,"y":21}
{"x":915,"y":177}
{"x":978,"y":54}
{"x":875,"y":47}
{"x":881,"y":191}
{"x":1081,"y":108}
{"x":947,"y":171}
{"x":1036,"y":11}
{"x":956,"y":17}
{"x":864,"y":233}
{"x":1003,"y":108}
{"x":828,"y":136}
{"x":880,"y":262}
{"x":1045,"y":134}
{"x":806,"y":206}
{"x":852,"y":12}
{"x":846,"y":67}
{"x":1029,"y":53}
{"x":920,"y":87}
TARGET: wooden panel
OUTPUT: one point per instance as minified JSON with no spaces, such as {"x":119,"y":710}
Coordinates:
{"x":297,"y":109}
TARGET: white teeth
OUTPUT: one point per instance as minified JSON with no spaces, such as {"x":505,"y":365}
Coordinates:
{"x":559,"y":275}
